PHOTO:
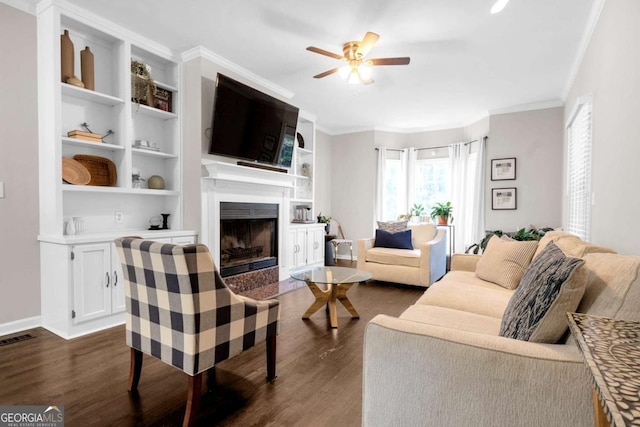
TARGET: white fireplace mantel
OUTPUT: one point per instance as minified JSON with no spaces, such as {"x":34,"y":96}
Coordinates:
{"x":231,"y":172}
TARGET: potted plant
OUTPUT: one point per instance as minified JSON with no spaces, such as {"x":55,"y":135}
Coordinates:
{"x":416,"y":212}
{"x":326,"y":220}
{"x":442,"y":211}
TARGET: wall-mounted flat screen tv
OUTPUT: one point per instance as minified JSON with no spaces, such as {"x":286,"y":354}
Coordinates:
{"x":251,"y":125}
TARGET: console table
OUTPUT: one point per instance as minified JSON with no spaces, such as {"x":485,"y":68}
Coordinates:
{"x":611,"y":349}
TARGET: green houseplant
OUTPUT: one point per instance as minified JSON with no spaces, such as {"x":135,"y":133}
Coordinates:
{"x":326,"y":220}
{"x":522,"y":234}
{"x":443,"y":212}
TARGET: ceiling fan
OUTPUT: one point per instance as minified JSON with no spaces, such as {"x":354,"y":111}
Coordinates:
{"x":358,"y":68}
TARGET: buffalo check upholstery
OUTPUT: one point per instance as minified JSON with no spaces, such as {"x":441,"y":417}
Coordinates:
{"x":180,"y":311}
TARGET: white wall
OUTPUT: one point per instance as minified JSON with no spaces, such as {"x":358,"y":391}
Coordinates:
{"x":19,"y":251}
{"x":353,"y":164}
{"x":535,"y":139}
{"x":610,"y":71}
{"x":323,"y":173}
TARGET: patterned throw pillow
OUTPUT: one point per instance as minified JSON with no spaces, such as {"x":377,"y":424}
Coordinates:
{"x":504,"y":261}
{"x":392,"y":226}
{"x":552,"y":285}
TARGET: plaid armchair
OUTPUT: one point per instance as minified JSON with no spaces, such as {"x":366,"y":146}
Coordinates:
{"x":180,"y":311}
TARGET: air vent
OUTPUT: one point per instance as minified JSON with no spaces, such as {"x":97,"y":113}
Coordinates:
{"x":15,"y":339}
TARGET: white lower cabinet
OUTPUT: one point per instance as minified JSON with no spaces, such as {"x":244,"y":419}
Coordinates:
{"x":98,"y":289}
{"x":83,"y":287}
{"x":305,"y":245}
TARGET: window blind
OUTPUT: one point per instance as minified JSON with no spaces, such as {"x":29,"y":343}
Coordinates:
{"x":579,"y":173}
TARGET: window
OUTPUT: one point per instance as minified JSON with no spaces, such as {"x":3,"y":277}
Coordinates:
{"x":394,"y":189}
{"x":578,"y":218}
{"x":423,"y":180}
{"x":431,"y":183}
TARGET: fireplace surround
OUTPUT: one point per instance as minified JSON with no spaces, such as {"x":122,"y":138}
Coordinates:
{"x":243,"y":186}
{"x":248,"y":237}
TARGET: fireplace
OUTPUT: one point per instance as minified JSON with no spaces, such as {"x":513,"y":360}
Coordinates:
{"x":248,"y":237}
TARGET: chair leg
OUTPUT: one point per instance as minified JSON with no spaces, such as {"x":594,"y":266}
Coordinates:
{"x":271,"y":358}
{"x":193,"y":400}
{"x":135,"y":369}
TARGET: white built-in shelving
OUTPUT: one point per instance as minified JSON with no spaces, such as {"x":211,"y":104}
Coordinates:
{"x":82,"y":284}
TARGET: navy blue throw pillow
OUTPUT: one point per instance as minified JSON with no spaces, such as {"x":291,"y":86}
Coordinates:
{"x":399,"y":240}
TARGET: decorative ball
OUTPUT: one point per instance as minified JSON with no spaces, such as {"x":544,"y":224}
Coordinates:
{"x":156,"y":182}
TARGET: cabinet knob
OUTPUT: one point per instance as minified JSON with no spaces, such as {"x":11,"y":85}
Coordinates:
{"x":115,"y":278}
{"x":108,"y":279}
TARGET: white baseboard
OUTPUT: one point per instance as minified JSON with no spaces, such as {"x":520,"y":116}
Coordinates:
{"x":20,"y":325}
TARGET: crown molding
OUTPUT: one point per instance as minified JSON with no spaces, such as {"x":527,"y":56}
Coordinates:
{"x":528,"y":107}
{"x":592,"y":21}
{"x":202,"y":52}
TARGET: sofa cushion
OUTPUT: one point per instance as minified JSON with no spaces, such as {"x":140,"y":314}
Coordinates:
{"x":551,"y":286}
{"x":399,"y":240}
{"x":462,"y":296}
{"x":570,"y":244}
{"x":405,"y":257}
{"x":392,"y":226}
{"x":451,"y":318}
{"x":613,"y":286}
{"x":503,"y":262}
{"x":422,"y":233}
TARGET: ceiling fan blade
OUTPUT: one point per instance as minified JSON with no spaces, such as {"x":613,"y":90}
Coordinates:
{"x":367,"y":43}
{"x":389,"y":61}
{"x":326,"y":73}
{"x":324,"y":52}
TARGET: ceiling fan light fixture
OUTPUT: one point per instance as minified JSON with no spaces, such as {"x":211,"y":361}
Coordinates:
{"x":354,"y":78}
{"x":364,"y":70}
{"x":344,"y":71}
{"x":498,"y":6}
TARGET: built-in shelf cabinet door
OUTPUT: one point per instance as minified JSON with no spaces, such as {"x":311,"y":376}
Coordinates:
{"x":315,"y":245}
{"x":118,"y":283}
{"x":91,"y":281}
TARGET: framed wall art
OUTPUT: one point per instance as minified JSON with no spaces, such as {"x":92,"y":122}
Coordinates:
{"x":503,"y":169}
{"x":503,"y":199}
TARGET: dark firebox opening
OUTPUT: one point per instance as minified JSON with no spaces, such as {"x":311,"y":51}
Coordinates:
{"x":248,"y":237}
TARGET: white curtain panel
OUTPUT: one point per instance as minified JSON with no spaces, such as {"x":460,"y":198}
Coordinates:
{"x":477,"y":231}
{"x":458,"y":159}
{"x":467,"y":192}
{"x":411,"y":156}
{"x":380,"y":179}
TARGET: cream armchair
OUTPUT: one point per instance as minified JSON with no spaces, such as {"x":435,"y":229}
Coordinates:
{"x":422,"y":266}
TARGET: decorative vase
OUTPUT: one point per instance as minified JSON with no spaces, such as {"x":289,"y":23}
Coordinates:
{"x":87,"y":68}
{"x":165,"y":221}
{"x":156,"y":182}
{"x":66,"y":57}
{"x":70,"y":228}
{"x":74,"y":81}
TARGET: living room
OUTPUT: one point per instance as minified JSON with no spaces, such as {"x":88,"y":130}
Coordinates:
{"x":605,"y":66}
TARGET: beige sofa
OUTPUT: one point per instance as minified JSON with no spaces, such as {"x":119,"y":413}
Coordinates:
{"x":443,"y":363}
{"x":421,"y":266}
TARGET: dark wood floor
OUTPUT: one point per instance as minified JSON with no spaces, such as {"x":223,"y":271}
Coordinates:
{"x":319,"y":372}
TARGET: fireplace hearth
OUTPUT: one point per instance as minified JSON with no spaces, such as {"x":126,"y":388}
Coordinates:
{"x":248,"y":237}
